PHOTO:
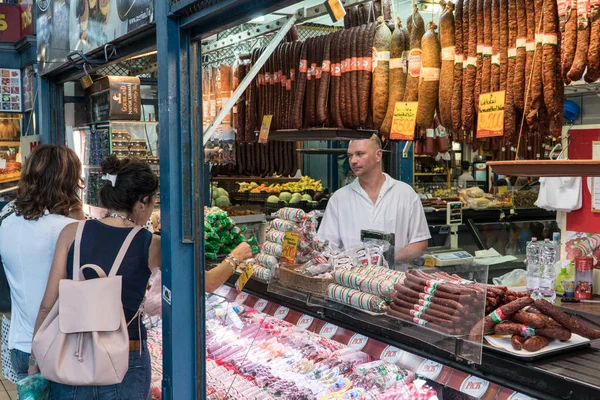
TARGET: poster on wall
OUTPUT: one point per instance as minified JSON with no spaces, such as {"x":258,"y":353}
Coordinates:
{"x":28,"y":94}
{"x":84,"y":25}
{"x":10,"y":90}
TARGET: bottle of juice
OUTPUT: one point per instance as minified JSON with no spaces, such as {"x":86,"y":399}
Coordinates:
{"x":563,"y":275}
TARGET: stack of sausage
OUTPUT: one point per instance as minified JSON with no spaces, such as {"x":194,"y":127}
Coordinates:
{"x":442,"y":302}
{"x":252,"y":158}
{"x":511,"y":46}
{"x":497,"y":296}
{"x":368,"y":12}
{"x":532,"y":325}
{"x":580,"y":31}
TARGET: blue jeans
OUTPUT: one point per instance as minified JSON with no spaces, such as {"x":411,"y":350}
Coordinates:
{"x":135,"y":385}
{"x":20,"y":363}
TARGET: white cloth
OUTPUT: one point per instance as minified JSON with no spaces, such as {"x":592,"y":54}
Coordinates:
{"x":560,"y":193}
{"x":7,"y":369}
{"x":463,"y":179}
{"x":27,"y":249}
{"x":397,"y":210}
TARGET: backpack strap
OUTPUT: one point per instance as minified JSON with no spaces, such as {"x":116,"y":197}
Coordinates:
{"x":121,"y":255}
{"x":77,"y":250}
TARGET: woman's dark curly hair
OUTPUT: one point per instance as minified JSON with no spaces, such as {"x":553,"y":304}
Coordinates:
{"x":135,"y":182}
{"x":50,"y":180}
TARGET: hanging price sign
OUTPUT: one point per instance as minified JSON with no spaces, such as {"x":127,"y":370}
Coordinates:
{"x":263,"y":137}
{"x":403,"y":123}
{"x":290,"y":247}
{"x":490,"y":121}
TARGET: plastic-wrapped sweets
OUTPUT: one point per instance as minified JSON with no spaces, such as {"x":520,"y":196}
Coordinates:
{"x":356,"y":298}
{"x":262,"y":273}
{"x":275,"y":236}
{"x":272,"y":249}
{"x":380,"y":285}
{"x":285,"y":226}
{"x":290,"y":214}
{"x":381,"y":376}
{"x":267,"y":261}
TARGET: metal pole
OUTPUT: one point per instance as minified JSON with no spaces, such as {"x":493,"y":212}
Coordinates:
{"x":247,"y":79}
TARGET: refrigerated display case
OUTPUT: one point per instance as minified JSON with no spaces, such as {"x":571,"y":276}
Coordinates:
{"x":496,"y":376}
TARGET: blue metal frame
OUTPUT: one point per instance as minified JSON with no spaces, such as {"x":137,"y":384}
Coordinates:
{"x":180,"y":370}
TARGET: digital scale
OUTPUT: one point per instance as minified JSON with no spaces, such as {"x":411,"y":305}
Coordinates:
{"x":454,"y":255}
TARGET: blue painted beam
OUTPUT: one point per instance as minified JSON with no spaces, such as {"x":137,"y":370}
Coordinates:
{"x":179,"y":314}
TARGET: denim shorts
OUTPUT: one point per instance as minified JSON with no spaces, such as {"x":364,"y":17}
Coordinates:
{"x":20,"y":363}
{"x":135,"y":385}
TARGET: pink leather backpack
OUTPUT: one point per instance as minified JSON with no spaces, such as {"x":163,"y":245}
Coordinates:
{"x":84,"y":340}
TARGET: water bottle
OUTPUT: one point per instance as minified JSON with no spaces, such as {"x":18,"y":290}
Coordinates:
{"x":556,"y":242}
{"x":547,"y":286}
{"x":534,"y":272}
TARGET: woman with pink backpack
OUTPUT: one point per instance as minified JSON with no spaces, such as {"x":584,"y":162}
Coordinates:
{"x":97,"y":349}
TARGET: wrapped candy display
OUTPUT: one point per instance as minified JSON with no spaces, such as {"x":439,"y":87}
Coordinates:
{"x":267,"y":358}
{"x":289,"y":220}
{"x":375,"y":280}
{"x":221,"y":235}
{"x":356,"y":298}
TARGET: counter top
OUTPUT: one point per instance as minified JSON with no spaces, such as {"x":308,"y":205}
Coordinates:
{"x":575,"y":375}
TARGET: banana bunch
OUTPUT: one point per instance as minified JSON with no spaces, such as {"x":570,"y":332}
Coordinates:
{"x":305,"y":183}
{"x":246,"y":187}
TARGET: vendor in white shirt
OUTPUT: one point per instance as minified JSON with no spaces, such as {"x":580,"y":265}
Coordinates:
{"x":375,"y":201}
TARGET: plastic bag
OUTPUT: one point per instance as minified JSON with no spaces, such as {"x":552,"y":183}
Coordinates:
{"x":516,"y":277}
{"x":33,"y":387}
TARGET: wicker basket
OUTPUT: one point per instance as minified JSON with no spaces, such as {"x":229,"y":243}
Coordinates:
{"x":289,"y":278}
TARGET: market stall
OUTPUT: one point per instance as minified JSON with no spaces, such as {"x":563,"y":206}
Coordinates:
{"x":482,"y":47}
{"x":263,"y":91}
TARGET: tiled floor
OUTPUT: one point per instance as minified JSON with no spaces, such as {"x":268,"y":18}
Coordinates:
{"x":8,"y":391}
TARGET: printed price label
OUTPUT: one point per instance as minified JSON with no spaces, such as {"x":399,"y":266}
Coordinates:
{"x":403,"y":123}
{"x":290,"y":247}
{"x":265,"y":128}
{"x":244,"y":278}
{"x":490,"y":121}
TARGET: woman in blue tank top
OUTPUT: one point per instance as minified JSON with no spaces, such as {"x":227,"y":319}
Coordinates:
{"x":129,"y":196}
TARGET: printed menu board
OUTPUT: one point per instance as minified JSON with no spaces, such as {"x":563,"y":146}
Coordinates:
{"x":10,"y":90}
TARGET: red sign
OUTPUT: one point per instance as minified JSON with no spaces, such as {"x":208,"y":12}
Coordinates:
{"x":10,"y":23}
{"x":26,"y":9}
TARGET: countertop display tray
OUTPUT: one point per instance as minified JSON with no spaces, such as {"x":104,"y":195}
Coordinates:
{"x":501,"y":344}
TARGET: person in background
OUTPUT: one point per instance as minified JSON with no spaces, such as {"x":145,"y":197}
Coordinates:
{"x":47,"y":201}
{"x":465,"y":176}
{"x":375,"y":201}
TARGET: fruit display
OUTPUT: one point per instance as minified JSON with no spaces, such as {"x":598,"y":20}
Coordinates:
{"x":305,"y":183}
{"x":262,"y":357}
{"x":221,"y":235}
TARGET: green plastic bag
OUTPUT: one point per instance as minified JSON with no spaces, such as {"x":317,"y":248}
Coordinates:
{"x":33,"y":387}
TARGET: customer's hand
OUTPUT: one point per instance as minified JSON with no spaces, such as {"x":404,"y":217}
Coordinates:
{"x":242,"y":252}
{"x":33,"y":370}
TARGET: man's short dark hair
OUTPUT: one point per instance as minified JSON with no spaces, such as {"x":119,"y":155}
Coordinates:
{"x":465,"y":165}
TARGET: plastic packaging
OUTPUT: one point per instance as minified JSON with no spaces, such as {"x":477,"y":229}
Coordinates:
{"x":33,"y":387}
